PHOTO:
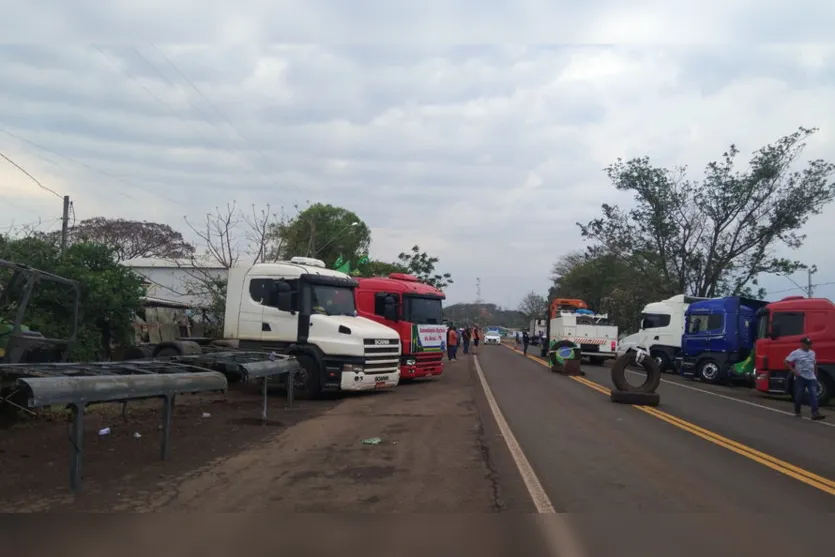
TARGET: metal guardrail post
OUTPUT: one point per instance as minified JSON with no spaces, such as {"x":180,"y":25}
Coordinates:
{"x":167,"y":410}
{"x":76,"y":440}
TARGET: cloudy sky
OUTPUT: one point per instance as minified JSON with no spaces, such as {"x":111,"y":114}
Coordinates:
{"x":485,"y":156}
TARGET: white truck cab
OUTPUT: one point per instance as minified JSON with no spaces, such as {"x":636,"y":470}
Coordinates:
{"x":302,"y":308}
{"x":662,"y":325}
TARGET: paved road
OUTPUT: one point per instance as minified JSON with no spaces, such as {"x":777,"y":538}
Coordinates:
{"x":697,"y":453}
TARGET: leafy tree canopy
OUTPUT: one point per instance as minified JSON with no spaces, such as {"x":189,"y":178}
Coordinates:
{"x":129,"y":239}
{"x":422,"y":265}
{"x":715,"y":236}
{"x":533,"y":306}
{"x":110,"y":294}
{"x":322,"y":231}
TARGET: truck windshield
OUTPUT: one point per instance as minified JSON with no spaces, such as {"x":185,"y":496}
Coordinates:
{"x":423,"y":311}
{"x":332,"y":300}
{"x":654,"y":320}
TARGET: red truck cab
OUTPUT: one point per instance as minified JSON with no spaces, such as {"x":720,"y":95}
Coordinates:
{"x":780,"y":327}
{"x":415,"y":311}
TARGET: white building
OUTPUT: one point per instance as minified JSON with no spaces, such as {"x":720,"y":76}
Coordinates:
{"x":177,"y":280}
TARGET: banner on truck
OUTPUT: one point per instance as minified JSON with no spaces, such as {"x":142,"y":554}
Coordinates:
{"x":428,"y":338}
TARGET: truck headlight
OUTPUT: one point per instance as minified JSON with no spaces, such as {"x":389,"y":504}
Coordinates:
{"x":354,"y":368}
{"x":411,"y":362}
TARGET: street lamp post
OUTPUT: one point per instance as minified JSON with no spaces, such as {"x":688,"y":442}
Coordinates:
{"x":337,"y":235}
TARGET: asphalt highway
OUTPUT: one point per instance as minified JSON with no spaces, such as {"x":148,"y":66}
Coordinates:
{"x":703,"y":450}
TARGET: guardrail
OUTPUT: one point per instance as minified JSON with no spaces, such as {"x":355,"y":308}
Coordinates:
{"x":78,"y":392}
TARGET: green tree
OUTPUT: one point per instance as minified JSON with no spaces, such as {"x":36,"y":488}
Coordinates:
{"x":420,"y":264}
{"x":110,"y":294}
{"x":714,"y":236}
{"x":322,"y":231}
{"x":376,"y":268}
{"x":533,"y":306}
{"x":609,"y":284}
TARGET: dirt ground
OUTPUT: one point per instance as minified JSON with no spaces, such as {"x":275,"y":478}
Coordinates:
{"x":309,"y":458}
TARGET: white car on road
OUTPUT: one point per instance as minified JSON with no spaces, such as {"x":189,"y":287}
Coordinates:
{"x":492,"y":337}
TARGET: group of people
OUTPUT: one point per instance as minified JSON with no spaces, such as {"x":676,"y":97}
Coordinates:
{"x":454,"y":339}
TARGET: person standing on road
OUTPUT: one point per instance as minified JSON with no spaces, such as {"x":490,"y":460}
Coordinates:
{"x":518,"y":340}
{"x":467,"y":337}
{"x":526,"y":340}
{"x":476,"y":338}
{"x":452,"y":343}
{"x":804,"y":367}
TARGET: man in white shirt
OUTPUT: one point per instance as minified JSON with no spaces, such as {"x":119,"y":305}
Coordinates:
{"x":803,"y":365}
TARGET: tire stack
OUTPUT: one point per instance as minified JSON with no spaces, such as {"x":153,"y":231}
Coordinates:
{"x":642,"y":395}
{"x":571,"y":365}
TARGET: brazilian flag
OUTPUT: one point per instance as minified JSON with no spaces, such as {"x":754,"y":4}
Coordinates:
{"x":745,"y":367}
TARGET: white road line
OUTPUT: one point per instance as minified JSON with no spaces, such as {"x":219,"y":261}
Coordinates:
{"x":733,"y":399}
{"x":556,"y":530}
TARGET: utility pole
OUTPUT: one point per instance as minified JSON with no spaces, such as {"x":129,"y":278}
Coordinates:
{"x":65,"y":224}
{"x":310,"y":241}
{"x":809,"y":272}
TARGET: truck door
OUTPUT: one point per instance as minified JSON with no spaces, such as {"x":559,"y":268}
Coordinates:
{"x":787,"y":328}
{"x":705,"y":332}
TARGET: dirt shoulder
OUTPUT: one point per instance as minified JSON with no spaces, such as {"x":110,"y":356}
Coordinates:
{"x":436,"y":455}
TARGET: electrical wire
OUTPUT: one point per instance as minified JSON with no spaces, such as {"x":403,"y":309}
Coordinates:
{"x":43,"y":187}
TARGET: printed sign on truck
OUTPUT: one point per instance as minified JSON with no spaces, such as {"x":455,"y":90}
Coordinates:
{"x":428,"y":338}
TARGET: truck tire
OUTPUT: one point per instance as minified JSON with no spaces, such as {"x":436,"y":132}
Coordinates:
{"x":142,"y":352}
{"x":653,"y":379}
{"x":709,"y":371}
{"x":826,"y":388}
{"x":662,"y":360}
{"x":308,"y":382}
{"x":635,"y":398}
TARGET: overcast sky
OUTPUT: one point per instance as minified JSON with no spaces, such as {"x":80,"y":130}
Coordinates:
{"x":484,"y":156}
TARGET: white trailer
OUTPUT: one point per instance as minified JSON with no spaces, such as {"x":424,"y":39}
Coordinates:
{"x":598,"y":340}
{"x":662,"y":325}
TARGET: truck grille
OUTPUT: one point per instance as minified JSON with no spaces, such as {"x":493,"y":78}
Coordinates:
{"x":382,"y":355}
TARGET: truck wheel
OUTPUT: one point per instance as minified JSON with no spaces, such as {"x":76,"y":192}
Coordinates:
{"x":709,"y":371}
{"x":308,"y":382}
{"x":662,"y":360}
{"x":167,"y":352}
{"x":826,"y":388}
{"x":650,"y":385}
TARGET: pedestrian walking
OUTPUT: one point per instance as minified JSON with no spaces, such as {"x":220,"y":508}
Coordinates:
{"x":468,"y":336}
{"x":803,"y":365}
{"x":526,"y":340}
{"x":452,"y":343}
{"x":476,"y":339}
{"x":518,"y":340}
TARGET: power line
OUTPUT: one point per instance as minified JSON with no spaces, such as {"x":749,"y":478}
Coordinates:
{"x":43,"y":187}
{"x":800,"y":288}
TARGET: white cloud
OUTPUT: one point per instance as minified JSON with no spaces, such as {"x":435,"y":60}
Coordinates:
{"x":484,"y":156}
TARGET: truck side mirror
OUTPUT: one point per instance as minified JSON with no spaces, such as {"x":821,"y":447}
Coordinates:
{"x":390,"y":309}
{"x":283,"y":296}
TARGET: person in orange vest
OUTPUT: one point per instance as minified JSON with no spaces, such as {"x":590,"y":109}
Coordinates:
{"x":452,"y":343}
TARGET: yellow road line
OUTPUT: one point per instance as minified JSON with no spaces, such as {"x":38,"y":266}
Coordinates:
{"x":809,"y":478}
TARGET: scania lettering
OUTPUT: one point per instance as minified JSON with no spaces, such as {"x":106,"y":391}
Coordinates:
{"x":300,"y":307}
{"x":414,"y":310}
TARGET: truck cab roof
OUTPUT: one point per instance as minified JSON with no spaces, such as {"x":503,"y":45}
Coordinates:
{"x":726,"y":304}
{"x":398,"y":282}
{"x":801,"y":303}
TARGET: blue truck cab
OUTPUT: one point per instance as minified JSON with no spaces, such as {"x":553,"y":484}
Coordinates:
{"x":718,"y":333}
